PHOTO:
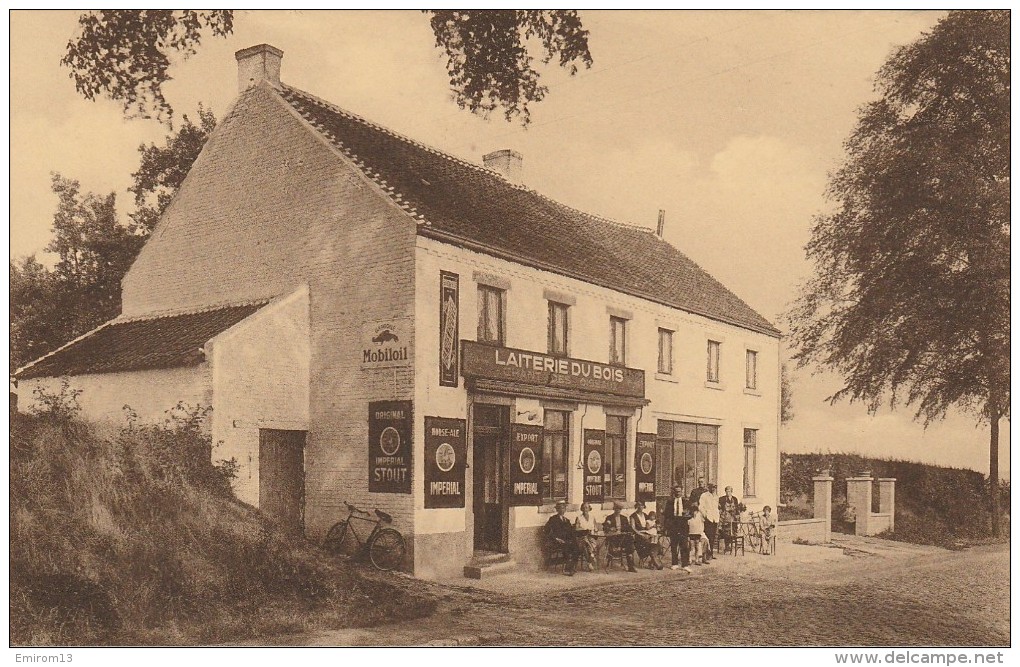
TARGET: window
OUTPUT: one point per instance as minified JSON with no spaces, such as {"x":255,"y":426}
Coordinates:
{"x":713,"y":361}
{"x":490,"y":315}
{"x":617,"y":341}
{"x":558,"y":328}
{"x":555,"y":453}
{"x":685,"y":453}
{"x":666,"y":351}
{"x":752,"y":369}
{"x":750,"y":460}
{"x":616,"y":457}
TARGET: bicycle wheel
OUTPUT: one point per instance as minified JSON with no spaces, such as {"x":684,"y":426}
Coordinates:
{"x":754,"y":538}
{"x":339,"y":540}
{"x":387,"y":549}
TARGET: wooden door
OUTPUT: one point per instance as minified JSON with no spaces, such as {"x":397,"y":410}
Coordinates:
{"x":490,"y":445}
{"x":282,"y":476}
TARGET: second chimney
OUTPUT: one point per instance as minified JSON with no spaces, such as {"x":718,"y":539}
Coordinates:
{"x":258,"y":63}
{"x":507,"y":162}
{"x":661,"y":227}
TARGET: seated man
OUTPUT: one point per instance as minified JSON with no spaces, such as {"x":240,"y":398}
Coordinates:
{"x":559,"y":532}
{"x":621,"y":534}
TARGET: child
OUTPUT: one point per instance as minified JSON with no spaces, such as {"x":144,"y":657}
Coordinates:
{"x":696,"y":527}
{"x":768,"y":529}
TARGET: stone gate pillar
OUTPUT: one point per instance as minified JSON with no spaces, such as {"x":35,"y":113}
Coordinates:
{"x":823,"y":503}
{"x":887,"y":499}
{"x":858,"y":496}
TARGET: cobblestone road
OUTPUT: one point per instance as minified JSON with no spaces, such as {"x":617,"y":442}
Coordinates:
{"x":888,"y":595}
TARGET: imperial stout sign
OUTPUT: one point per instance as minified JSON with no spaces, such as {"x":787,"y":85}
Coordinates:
{"x":445,"y":448}
{"x":389,"y":446}
{"x":594,"y":464}
{"x":525,"y":464}
{"x":644,"y":466}
{"x":385,"y":343}
{"x":449,"y":306}
{"x":503,"y":363}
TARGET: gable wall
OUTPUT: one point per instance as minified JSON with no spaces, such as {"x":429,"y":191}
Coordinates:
{"x":268,"y":207}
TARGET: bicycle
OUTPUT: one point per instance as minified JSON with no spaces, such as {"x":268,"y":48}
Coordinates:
{"x":753,"y":531}
{"x":384,"y":546}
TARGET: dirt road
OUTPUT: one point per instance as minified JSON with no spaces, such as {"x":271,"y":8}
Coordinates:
{"x":870,"y":593}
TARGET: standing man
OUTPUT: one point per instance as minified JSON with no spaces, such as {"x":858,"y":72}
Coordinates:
{"x":709,"y":504}
{"x":560,"y":531}
{"x":695,"y":498}
{"x":728,"y":513}
{"x":675,"y":524}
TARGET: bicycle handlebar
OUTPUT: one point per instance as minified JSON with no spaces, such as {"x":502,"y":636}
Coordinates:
{"x":351,"y":508}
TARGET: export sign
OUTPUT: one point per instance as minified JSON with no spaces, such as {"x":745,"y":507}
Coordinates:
{"x":507,"y":364}
{"x":525,"y":464}
{"x":389,"y":446}
{"x":594,"y":464}
{"x":385,"y":343}
{"x":644,"y":466}
{"x":445,"y":447}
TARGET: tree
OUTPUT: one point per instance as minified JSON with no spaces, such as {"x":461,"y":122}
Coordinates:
{"x":162,"y":169}
{"x":910,"y":298}
{"x":786,"y":395}
{"x":125,"y":55}
{"x":94,"y":251}
{"x":487,"y":56}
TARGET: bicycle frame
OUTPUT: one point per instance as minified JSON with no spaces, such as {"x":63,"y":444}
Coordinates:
{"x":367,"y":519}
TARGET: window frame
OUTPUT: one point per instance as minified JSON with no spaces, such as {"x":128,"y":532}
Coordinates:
{"x":614,"y":467}
{"x":614,"y":359}
{"x":677,"y":444}
{"x":554,"y":306}
{"x":751,"y":370}
{"x":501,"y":321}
{"x":714,"y":362}
{"x":669,"y":336}
{"x":750,"y":485}
{"x":549,"y":458}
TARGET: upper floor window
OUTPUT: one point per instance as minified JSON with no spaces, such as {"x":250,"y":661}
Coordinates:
{"x":558,"y":328}
{"x":713,"y":361}
{"x":665,"y":351}
{"x":617,"y":341}
{"x":752,"y":369}
{"x":491,"y":320}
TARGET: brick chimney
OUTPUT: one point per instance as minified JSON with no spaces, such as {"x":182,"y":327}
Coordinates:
{"x":507,"y":162}
{"x":258,"y":63}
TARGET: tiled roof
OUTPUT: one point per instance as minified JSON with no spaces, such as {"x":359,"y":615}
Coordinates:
{"x":166,"y":341}
{"x":467,"y":204}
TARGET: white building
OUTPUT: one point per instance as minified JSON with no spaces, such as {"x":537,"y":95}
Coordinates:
{"x":375,"y":321}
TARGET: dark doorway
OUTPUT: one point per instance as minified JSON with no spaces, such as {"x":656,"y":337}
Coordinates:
{"x":282,"y":476}
{"x":490,"y":435}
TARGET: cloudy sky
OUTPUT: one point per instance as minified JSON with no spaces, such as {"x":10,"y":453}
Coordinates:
{"x":729,"y":121}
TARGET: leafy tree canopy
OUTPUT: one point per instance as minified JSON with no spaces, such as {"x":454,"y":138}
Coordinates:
{"x":910,"y":298}
{"x":125,"y":55}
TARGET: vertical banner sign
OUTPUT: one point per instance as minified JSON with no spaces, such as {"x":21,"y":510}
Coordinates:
{"x":449,"y":318}
{"x":389,"y":446}
{"x":525,"y":464}
{"x":445,"y":448}
{"x":644,"y":466}
{"x":594,"y":460}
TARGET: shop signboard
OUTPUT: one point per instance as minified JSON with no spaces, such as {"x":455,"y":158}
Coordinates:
{"x":389,"y":446}
{"x":449,"y":319}
{"x":644,"y":466}
{"x":525,"y":464}
{"x":594,"y":463}
{"x":534,"y":368}
{"x":385,"y":343}
{"x":445,"y":447}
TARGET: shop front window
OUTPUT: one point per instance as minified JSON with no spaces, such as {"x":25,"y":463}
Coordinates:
{"x":616,"y":457}
{"x":556,"y":454}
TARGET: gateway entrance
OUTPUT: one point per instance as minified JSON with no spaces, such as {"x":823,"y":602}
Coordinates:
{"x":490,"y":442}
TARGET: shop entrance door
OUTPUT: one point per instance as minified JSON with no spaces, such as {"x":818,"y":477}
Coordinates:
{"x":490,"y":442}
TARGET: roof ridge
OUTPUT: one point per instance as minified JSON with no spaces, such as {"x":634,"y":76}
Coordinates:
{"x":120,"y":319}
{"x":458,"y":160}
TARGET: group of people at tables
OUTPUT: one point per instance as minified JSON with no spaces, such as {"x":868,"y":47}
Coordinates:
{"x":692,"y":525}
